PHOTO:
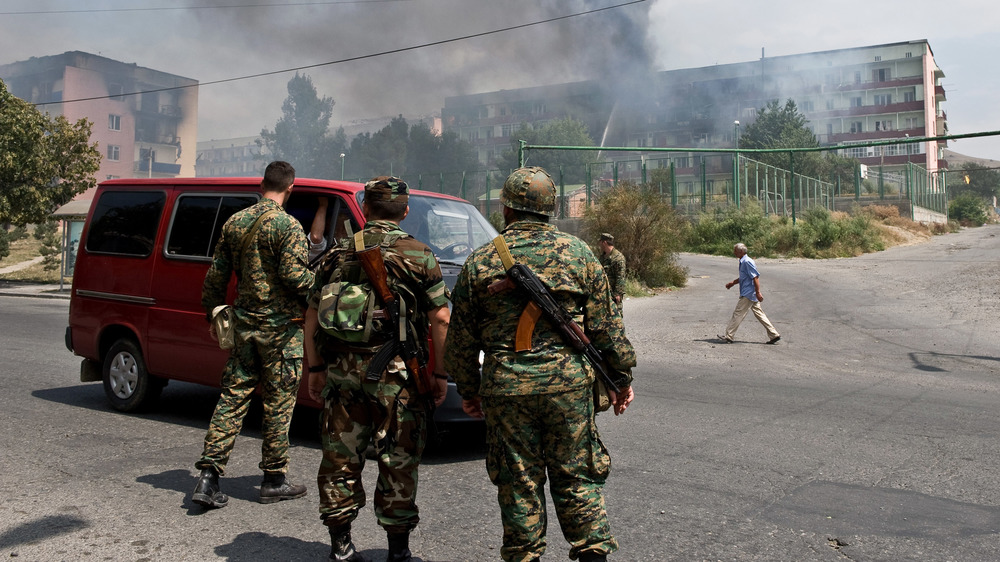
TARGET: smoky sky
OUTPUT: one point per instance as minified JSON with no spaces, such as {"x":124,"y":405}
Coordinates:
{"x":610,"y":46}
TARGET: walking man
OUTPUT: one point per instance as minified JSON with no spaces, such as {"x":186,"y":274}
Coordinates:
{"x":367,"y":403}
{"x":537,"y":396}
{"x":750,"y":298}
{"x":613,"y":263}
{"x":266,"y":248}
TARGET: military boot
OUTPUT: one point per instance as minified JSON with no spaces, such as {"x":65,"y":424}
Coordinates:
{"x":399,"y":548}
{"x":593,"y":557}
{"x":207,"y":492}
{"x":275,"y":488}
{"x":343,"y":547}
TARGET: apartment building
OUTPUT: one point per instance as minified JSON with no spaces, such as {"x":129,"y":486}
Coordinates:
{"x":237,"y":157}
{"x":145,"y":121}
{"x":849,"y":96}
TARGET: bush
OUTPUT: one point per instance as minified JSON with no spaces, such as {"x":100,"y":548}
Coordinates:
{"x":51,"y":249}
{"x":647,"y":232}
{"x":968,"y":209}
{"x":716,"y":232}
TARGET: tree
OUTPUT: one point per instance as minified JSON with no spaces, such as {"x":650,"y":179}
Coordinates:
{"x":646,"y":229}
{"x":301,"y":136}
{"x":44,"y":162}
{"x":975,"y":179}
{"x":779,"y":126}
{"x":563,"y":132}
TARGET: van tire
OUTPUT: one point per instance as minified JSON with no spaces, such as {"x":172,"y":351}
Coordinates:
{"x":127,"y":384}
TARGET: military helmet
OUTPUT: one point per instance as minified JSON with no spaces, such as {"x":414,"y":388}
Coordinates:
{"x":530,"y":189}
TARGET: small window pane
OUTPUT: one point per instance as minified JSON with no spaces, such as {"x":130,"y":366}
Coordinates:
{"x":125,"y":222}
{"x":198,"y":221}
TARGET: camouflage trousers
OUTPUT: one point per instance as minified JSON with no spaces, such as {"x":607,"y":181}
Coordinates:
{"x":555,"y":435}
{"x":273,"y":361}
{"x":385,"y":414}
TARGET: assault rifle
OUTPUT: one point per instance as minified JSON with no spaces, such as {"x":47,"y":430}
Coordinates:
{"x":520,"y":276}
{"x":405,"y":342}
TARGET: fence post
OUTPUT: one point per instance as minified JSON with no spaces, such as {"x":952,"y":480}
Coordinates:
{"x":704,"y":185}
{"x":673,"y":185}
{"x":562,"y":194}
{"x":857,"y":183}
{"x":791,"y":161}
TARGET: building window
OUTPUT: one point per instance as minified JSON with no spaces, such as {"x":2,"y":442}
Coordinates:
{"x":830,"y":104}
{"x":908,"y":54}
{"x":910,"y":95}
{"x":114,"y":152}
{"x":856,"y":101}
{"x":829,"y":129}
{"x":883,"y":125}
{"x":880,"y":75}
{"x":115,"y":122}
{"x":883,"y":99}
{"x":857,"y":76}
{"x":878,"y":58}
{"x":505,"y":131}
{"x":111,"y":177}
{"x":116,"y":91}
{"x":857,"y":127}
{"x":807,"y":105}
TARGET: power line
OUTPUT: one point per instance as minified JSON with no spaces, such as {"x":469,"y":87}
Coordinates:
{"x":352,"y":59}
{"x":170,"y":8}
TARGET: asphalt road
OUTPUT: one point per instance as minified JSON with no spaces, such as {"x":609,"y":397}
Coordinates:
{"x":867,"y":433}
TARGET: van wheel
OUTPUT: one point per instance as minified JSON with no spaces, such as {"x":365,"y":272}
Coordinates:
{"x":127,"y":383}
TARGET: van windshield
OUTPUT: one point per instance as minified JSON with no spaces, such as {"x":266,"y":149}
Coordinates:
{"x":451,"y":228}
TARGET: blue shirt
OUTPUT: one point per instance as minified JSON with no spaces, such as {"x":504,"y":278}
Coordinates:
{"x":748,"y":272}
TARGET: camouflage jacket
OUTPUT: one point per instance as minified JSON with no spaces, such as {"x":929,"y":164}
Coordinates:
{"x":272,"y":279}
{"x":480,"y":321}
{"x":407,"y":260}
{"x":614,"y":267}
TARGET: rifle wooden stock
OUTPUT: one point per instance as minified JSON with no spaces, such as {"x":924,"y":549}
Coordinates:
{"x":374,"y":267}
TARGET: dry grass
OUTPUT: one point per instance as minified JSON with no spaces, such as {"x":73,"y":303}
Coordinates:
{"x":24,"y":250}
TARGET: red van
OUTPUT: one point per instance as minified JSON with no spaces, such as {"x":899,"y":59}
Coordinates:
{"x":135,"y":311}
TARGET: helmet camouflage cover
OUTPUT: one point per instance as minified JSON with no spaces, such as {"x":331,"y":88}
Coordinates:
{"x":530,"y":189}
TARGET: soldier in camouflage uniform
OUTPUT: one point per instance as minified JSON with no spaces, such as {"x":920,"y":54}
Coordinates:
{"x":614,"y":266}
{"x":386,"y":413}
{"x":273,"y":282}
{"x":538,"y":403}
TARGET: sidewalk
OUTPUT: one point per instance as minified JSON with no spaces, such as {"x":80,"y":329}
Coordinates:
{"x":39,"y":290}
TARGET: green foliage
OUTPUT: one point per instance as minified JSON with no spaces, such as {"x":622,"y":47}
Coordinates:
{"x":408,"y":151}
{"x":18,"y":233}
{"x":717,"y":231}
{"x":647,"y":232}
{"x":817,"y":234}
{"x":44,"y":162}
{"x":51,"y":248}
{"x":975,"y":179}
{"x":301,"y":136}
{"x":968,"y":209}
{"x":562,"y":132}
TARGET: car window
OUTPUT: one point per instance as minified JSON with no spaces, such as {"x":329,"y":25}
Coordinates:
{"x":452,"y":229}
{"x":125,"y":222}
{"x":197,"y":222}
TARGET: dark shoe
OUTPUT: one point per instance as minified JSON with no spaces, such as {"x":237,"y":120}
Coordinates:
{"x":774,"y":340}
{"x":207,"y":492}
{"x":399,"y":548}
{"x":593,"y":557}
{"x":724,"y":339}
{"x":275,"y":488}
{"x":343,"y":548}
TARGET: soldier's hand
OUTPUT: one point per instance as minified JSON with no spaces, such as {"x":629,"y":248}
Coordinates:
{"x":473,"y":408}
{"x":317,"y":381}
{"x":440,"y":390}
{"x":622,"y":399}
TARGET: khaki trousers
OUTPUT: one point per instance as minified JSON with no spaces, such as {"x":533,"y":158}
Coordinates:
{"x":742,"y":306}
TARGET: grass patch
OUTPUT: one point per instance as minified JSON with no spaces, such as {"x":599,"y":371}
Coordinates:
{"x":25,"y":249}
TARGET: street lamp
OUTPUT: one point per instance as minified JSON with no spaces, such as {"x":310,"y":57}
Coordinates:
{"x":342,"y":155}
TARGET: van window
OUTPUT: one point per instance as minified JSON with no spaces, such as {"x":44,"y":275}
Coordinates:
{"x":452,"y":229}
{"x":197,"y":222}
{"x":125,"y":222}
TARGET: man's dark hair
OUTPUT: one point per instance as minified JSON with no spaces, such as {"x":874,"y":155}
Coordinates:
{"x":385,"y":210}
{"x":278,"y":176}
{"x":527,"y":215}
